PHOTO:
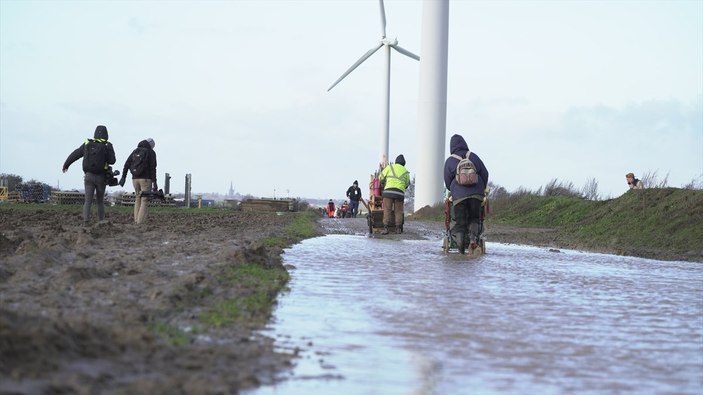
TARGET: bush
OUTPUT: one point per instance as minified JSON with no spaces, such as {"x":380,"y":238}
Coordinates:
{"x":590,"y":190}
{"x":561,"y":188}
{"x":651,"y":180}
{"x":696,"y":183}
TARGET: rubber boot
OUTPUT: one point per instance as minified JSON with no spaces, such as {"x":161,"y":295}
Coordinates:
{"x":473,"y":235}
{"x":460,"y":242}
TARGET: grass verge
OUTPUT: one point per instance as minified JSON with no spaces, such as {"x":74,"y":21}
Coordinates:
{"x":661,"y":223}
{"x":257,"y":287}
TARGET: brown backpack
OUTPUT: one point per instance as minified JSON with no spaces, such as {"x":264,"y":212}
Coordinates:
{"x":466,"y":174}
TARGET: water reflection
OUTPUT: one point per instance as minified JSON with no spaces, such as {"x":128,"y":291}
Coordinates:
{"x":376,"y":316}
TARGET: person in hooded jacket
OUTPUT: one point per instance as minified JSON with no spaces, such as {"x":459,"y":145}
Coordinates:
{"x":395,"y":178}
{"x":354,"y":195}
{"x":95,"y":167}
{"x":467,"y":200}
{"x":143,"y":181}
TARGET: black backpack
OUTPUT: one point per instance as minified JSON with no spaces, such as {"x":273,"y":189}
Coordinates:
{"x":139,"y":163}
{"x":95,"y":156}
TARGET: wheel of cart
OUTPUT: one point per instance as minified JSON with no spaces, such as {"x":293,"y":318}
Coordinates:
{"x":374,"y":218}
{"x":449,"y":242}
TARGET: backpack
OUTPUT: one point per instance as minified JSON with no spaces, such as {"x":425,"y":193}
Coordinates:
{"x":138,"y":162}
{"x":94,"y":156}
{"x":466,"y":174}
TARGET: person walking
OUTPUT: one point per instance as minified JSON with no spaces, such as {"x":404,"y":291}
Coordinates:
{"x":141,"y":163}
{"x":98,"y":154}
{"x":467,"y":194}
{"x":395,"y":178}
{"x":354,"y":195}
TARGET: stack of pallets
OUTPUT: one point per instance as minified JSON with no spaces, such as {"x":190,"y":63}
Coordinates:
{"x":67,"y":197}
{"x":127,"y":199}
{"x":277,"y":205}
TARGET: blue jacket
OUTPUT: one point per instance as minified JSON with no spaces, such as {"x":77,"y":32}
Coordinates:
{"x":457,"y":146}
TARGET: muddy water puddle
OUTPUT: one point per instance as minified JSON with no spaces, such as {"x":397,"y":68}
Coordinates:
{"x":378,"y":316}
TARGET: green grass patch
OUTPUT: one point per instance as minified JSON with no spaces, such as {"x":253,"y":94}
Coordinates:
{"x":304,"y":226}
{"x":171,"y":334}
{"x":249,"y":275}
{"x":256,"y":286}
{"x":274,"y":241}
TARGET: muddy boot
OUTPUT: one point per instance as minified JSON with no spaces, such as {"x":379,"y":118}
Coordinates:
{"x":385,"y":230}
{"x":399,"y":229}
{"x":473,"y":234}
{"x":460,"y":242}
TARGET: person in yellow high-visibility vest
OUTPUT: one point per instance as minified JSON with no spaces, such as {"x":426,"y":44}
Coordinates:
{"x":395,"y":178}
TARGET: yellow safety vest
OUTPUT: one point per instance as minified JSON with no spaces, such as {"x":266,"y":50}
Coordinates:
{"x":395,"y":176}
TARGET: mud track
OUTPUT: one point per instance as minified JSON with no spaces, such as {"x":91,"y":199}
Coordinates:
{"x":84,"y":310}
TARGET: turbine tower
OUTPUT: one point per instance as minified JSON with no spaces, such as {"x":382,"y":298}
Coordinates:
{"x":388,"y":44}
{"x":432,"y":104}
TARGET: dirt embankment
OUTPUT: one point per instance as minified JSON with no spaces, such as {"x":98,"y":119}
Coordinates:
{"x":104,"y":309}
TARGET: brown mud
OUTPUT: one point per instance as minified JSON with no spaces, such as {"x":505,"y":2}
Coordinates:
{"x":105,"y":309}
{"x":101,"y":309}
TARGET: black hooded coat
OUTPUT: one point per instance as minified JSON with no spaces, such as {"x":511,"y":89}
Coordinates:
{"x":101,"y":136}
{"x":150,"y":172}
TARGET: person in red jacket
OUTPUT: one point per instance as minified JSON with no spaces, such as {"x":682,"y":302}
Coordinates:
{"x":330,"y":209}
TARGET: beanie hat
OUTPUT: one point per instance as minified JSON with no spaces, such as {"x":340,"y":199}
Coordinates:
{"x":356,"y":182}
{"x":151,"y":142}
{"x":100,"y":132}
{"x":400,"y":160}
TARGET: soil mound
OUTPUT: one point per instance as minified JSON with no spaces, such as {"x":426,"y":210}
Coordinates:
{"x":114,"y":308}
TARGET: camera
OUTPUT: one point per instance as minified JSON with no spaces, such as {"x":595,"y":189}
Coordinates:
{"x":111,"y":176}
{"x":154,"y":195}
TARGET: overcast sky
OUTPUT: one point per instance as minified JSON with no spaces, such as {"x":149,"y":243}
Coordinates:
{"x":236,"y":91}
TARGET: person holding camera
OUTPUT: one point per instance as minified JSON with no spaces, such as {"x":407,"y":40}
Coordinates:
{"x":633,"y":182}
{"x":98,"y":155}
{"x":142,"y":164}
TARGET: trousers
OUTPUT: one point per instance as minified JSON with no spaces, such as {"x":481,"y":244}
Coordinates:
{"x":141,"y":203}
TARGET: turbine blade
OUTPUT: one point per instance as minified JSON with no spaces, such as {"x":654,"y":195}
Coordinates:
{"x":405,"y":52}
{"x":355,"y":65}
{"x":383,"y":19}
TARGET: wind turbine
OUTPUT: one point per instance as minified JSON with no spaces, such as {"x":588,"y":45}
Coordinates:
{"x":388,"y":44}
